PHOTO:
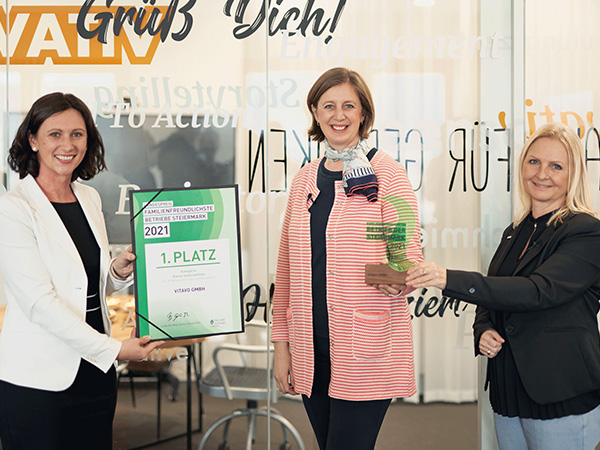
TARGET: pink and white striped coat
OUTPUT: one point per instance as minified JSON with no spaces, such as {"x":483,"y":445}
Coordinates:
{"x":370,"y":334}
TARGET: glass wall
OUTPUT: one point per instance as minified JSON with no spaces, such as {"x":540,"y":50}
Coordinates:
{"x":205,"y":93}
{"x":561,"y":78}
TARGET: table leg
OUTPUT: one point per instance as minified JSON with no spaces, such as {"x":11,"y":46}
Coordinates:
{"x":189,"y":397}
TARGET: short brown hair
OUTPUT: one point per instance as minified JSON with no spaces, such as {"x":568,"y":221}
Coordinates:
{"x":23,"y":160}
{"x":334,"y":77}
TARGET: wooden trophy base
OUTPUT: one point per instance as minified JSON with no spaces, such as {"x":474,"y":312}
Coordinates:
{"x":383,"y":274}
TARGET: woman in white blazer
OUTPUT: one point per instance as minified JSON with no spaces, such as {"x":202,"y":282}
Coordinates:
{"x":57,"y":374}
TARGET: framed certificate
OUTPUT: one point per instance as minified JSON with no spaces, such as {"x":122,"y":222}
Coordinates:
{"x":188,"y":277}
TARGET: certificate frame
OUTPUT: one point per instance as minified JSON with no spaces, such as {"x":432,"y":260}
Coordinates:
{"x":187,"y":271}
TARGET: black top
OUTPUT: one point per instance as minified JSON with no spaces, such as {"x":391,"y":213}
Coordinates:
{"x":79,"y":229}
{"x":319,"y":216}
{"x":507,"y":394}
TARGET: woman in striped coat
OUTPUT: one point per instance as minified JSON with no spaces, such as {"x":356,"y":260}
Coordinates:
{"x":344,"y":345}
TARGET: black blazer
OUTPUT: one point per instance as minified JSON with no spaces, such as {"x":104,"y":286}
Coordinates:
{"x":553,"y":301}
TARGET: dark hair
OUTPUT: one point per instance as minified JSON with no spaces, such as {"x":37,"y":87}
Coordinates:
{"x":334,"y":77}
{"x":23,"y":160}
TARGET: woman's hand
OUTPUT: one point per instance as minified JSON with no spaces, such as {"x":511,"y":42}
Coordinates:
{"x":426,"y":274}
{"x":282,"y":369}
{"x":136,"y":349}
{"x":490,"y":343}
{"x":390,"y":289}
{"x":122,"y":265}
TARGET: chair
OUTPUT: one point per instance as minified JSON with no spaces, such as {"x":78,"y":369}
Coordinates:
{"x":244,"y":382}
{"x":157,"y":370}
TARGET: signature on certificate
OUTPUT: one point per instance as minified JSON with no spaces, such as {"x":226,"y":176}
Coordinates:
{"x":173,"y":316}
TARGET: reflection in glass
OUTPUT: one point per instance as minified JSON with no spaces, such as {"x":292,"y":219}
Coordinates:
{"x":149,"y":158}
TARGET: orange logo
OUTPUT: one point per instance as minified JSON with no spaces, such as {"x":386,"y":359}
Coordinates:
{"x":38,"y":34}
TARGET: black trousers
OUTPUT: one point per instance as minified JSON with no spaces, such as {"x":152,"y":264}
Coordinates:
{"x":340,"y":424}
{"x":77,"y":418}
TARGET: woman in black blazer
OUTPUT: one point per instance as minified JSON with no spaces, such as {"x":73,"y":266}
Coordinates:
{"x":537,"y":313}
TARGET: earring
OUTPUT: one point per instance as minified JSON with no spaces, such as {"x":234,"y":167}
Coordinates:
{"x":34,"y":149}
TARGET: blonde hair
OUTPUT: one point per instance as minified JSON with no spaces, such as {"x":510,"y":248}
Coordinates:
{"x":578,"y":198}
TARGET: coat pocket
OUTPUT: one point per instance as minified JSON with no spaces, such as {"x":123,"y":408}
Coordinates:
{"x":371,"y":334}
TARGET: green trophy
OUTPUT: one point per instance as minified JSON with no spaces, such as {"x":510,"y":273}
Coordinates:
{"x":397,"y":236}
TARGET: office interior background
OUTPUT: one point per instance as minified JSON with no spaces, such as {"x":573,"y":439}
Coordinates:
{"x":212,"y":92}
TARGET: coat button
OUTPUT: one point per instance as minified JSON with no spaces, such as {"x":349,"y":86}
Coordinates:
{"x":510,"y":329}
{"x":471,"y":290}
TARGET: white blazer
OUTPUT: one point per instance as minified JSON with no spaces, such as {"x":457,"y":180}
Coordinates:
{"x":45,"y":335}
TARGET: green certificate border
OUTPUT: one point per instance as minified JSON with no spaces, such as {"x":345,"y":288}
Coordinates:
{"x":188,"y":272}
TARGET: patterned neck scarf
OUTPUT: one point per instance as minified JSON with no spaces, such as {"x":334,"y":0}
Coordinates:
{"x":358,"y":177}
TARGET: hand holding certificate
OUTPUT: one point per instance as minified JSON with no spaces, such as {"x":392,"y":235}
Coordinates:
{"x":187,"y":271}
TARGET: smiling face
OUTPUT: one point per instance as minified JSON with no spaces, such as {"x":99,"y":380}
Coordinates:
{"x":61,"y":143}
{"x":339,"y":114}
{"x":546,"y":175}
